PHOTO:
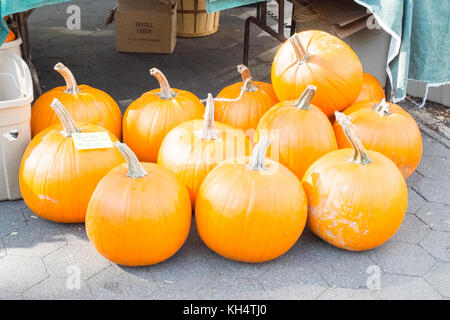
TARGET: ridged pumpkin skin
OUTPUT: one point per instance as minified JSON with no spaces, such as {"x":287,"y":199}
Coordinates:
{"x":351,"y":206}
{"x":148,"y":120}
{"x":303,"y":135}
{"x":87,"y":104}
{"x":396,"y":135}
{"x":56,"y":180}
{"x":138,"y":221}
{"x":245,"y":113}
{"x":371,"y":89}
{"x":190,"y":157}
{"x":249,"y":215}
{"x":327,"y":63}
{"x":11,"y":36}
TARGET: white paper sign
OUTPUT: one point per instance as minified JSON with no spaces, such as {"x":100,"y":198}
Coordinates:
{"x":91,"y":140}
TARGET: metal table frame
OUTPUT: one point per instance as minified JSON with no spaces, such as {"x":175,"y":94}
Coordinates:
{"x":260,"y":20}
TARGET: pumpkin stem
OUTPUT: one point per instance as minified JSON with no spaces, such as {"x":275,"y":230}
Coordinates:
{"x":247,"y":79}
{"x":71,"y":83}
{"x":360,"y":156}
{"x":300,"y":51}
{"x":382,"y":108}
{"x":135,"y":169}
{"x":305,"y":99}
{"x":207,"y":131}
{"x":257,"y":161}
{"x":166,"y":91}
{"x":67,"y":121}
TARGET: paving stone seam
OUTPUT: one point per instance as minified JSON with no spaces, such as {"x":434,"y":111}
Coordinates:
{"x":424,"y":279}
{"x":437,"y":259}
{"x":430,"y":227}
{"x":418,"y":192}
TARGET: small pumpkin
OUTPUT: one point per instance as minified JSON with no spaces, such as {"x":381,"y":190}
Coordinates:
{"x":245,"y":113}
{"x":56,"y":179}
{"x":139,"y":214}
{"x":11,"y":36}
{"x":388,"y":129}
{"x":148,"y":119}
{"x":84,"y":103}
{"x":251,"y":209}
{"x":303,"y":132}
{"x":357,"y":198}
{"x":371,"y":89}
{"x":320,"y":59}
{"x":194,"y":148}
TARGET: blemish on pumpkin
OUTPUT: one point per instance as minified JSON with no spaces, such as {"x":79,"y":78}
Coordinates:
{"x":47,"y":198}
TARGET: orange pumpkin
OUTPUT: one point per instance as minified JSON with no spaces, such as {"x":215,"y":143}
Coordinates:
{"x":56,"y":179}
{"x":194,"y":148}
{"x":320,"y":59}
{"x":139,"y":214}
{"x":371,"y":89}
{"x":84,"y":103}
{"x":370,"y":104}
{"x":303,"y":132}
{"x":149,"y":118}
{"x":11,"y":36}
{"x":251,"y":209}
{"x":258,"y":97}
{"x":357,"y":199}
{"x":388,"y":129}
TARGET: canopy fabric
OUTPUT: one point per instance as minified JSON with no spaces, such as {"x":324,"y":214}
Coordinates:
{"x":8,"y":7}
{"x":420,"y":43}
{"x":218,"y":5}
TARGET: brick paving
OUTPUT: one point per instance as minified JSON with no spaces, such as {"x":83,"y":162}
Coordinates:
{"x":38,"y":257}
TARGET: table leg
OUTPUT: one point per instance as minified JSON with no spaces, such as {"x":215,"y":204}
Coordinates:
{"x":261,"y":21}
{"x":22,"y":24}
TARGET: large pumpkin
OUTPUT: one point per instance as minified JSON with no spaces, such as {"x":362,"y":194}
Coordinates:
{"x":149,"y":118}
{"x":56,"y":179}
{"x":301,"y":133}
{"x":322,"y":60}
{"x":251,"y":209}
{"x":371,"y":89}
{"x":83,"y":102}
{"x":357,"y":199}
{"x":139,"y":214}
{"x":389,"y":129}
{"x":257,"y":98}
{"x":194,"y":148}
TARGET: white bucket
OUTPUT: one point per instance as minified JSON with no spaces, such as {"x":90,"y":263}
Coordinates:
{"x":12,"y":46}
{"x":16,"y":95}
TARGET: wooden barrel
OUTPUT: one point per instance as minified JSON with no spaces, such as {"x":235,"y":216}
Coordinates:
{"x":193,"y":20}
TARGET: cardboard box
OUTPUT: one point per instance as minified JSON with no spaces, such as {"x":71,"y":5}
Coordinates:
{"x":145,"y":25}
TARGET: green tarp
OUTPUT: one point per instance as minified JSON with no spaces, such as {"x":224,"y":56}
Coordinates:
{"x":218,"y":5}
{"x":420,"y":43}
{"x":8,"y":7}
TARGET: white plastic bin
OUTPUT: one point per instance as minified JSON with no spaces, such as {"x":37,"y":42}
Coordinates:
{"x":16,"y":95}
{"x":12,"y":46}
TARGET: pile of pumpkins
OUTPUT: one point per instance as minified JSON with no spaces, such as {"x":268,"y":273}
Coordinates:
{"x":265,"y":160}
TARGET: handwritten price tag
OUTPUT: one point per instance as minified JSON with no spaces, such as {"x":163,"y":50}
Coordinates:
{"x":91,"y":140}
